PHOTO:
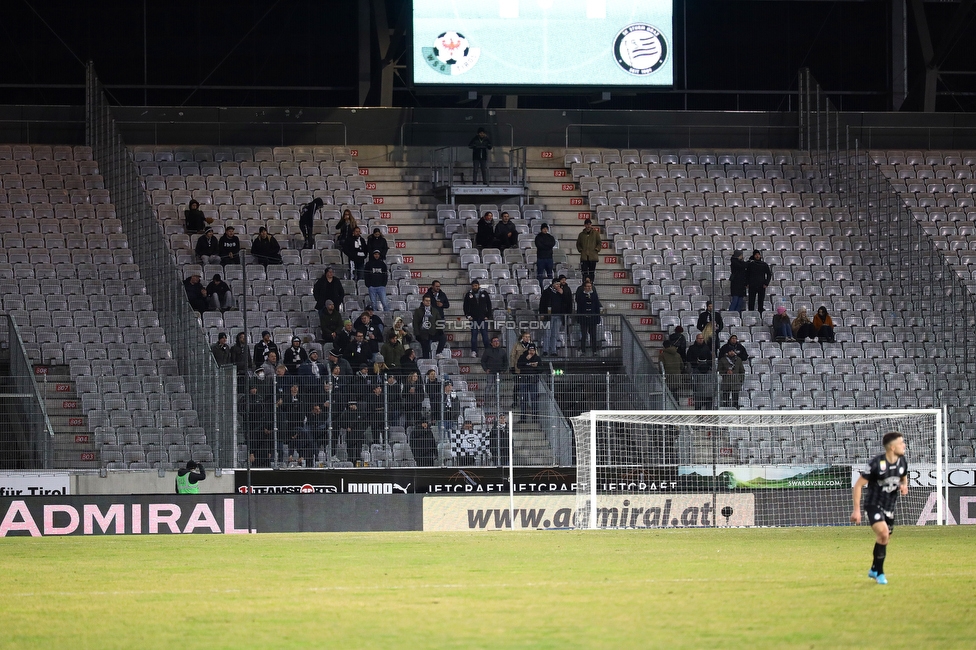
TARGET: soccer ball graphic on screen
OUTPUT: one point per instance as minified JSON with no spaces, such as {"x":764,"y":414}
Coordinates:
{"x":450,"y":47}
{"x":451,"y":54}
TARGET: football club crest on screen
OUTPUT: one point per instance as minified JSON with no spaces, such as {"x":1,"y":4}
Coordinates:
{"x":451,"y":54}
{"x":640,"y":49}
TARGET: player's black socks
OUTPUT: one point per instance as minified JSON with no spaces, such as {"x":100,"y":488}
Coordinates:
{"x":880,"y":550}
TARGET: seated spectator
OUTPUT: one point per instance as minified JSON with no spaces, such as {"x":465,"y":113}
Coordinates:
{"x":294,"y":356}
{"x":680,"y":343}
{"x":699,"y":354}
{"x":782,"y":328}
{"x":196,"y":294}
{"x":506,"y":236}
{"x":344,"y":336}
{"x":330,"y":320}
{"x":313,"y":372}
{"x":379,"y":365}
{"x":219,"y":294}
{"x":412,"y":398}
{"x":734,"y":345}
{"x":266,"y":248}
{"x":403,"y":334}
{"x":710,"y":322}
{"x":486,"y":231}
{"x":392,"y":350}
{"x":359,"y":351}
{"x":194,"y":220}
{"x":208,"y":248}
{"x":334,"y":360}
{"x":221,"y":350}
{"x":803,"y":326}
{"x":230,"y":247}
{"x":371,"y":326}
{"x":823,"y":325}
{"x":408,"y":362}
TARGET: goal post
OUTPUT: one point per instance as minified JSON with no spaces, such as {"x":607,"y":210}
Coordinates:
{"x":682,"y":469}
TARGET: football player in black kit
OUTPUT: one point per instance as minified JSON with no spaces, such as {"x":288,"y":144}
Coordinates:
{"x":886,"y":476}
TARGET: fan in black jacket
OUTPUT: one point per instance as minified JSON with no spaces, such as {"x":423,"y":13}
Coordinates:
{"x":759,"y":277}
{"x":477,"y":309}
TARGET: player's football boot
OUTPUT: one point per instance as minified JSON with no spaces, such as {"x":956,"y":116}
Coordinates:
{"x":872,"y":574}
{"x":882,"y":580}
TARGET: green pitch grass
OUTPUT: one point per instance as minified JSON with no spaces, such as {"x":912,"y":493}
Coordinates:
{"x":796,"y":588}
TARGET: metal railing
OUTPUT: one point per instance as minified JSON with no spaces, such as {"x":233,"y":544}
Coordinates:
{"x":462,"y":130}
{"x":308,"y":133}
{"x":210,"y":387}
{"x":446,"y":162}
{"x":35,"y":450}
{"x":636,"y":136}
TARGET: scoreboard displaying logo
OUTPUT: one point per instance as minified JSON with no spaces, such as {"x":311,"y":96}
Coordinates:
{"x":603,"y":43}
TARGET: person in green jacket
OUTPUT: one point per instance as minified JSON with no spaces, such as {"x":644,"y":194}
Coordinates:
{"x":589,"y":245}
{"x":188,"y":479}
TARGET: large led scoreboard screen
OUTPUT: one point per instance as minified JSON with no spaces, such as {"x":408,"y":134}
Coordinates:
{"x":543,"y":42}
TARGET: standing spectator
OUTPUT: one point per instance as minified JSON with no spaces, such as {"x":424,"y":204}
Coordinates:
{"x":240,"y":355}
{"x":328,"y":287}
{"x":437,"y":297}
{"x":498,"y":440}
{"x":710,"y":322}
{"x":263,"y":348}
{"x":219,"y":294}
{"x":428,"y":326}
{"x":376,"y":279}
{"x":480,"y":145}
{"x":377,"y":242}
{"x":530,"y":367}
{"x":732,"y":372}
{"x":412,"y":399}
{"x":518,"y":349}
{"x":803,"y":326}
{"x":486,"y":231}
{"x":674,"y":366}
{"x":194,"y":220}
{"x":403,"y":335}
{"x":266,"y":248}
{"x":494,"y":360}
{"x":330,"y":321}
{"x":292,"y":411}
{"x":355,"y":250}
{"x":759,"y":277}
{"x":345,"y":228}
{"x":823,"y":325}
{"x":544,"y":243}
{"x":588,"y":310}
{"x":506,"y":235}
{"x":680,"y":343}
{"x":477,"y":309}
{"x":195,"y":293}
{"x":589,"y":245}
{"x":734,"y":345}
{"x":230,"y":247}
{"x":313,"y":368}
{"x":782,"y":328}
{"x":699,"y":354}
{"x":208,"y":248}
{"x":738,"y":282}
{"x":352,"y":430}
{"x":305,"y":220}
{"x":423,"y":444}
{"x":392,"y":350}
{"x":221,"y":351}
{"x":552,"y":306}
{"x":294,"y":356}
{"x":408,"y":362}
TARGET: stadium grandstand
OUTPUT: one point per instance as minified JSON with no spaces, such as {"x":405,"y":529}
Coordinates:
{"x":116,"y":364}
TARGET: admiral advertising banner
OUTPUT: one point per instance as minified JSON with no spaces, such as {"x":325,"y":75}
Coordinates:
{"x":543,"y":42}
{"x":556,"y":511}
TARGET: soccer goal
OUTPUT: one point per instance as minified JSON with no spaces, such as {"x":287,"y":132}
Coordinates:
{"x":644,"y":469}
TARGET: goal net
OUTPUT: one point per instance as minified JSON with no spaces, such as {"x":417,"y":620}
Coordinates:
{"x":643,"y":469}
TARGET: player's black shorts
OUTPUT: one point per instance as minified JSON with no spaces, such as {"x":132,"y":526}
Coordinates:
{"x":876,"y":514}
